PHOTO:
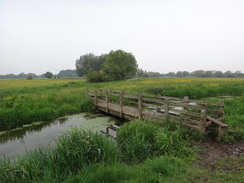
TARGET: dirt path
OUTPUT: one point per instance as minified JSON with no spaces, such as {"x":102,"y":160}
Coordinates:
{"x":214,"y":151}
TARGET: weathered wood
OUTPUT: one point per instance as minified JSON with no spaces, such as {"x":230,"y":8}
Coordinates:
{"x":121,"y":104}
{"x":106,"y":99}
{"x":217,"y":122}
{"x":166,"y":108}
{"x":203,"y":117}
{"x":140,"y":105}
{"x":95,"y":97}
{"x":191,"y":113}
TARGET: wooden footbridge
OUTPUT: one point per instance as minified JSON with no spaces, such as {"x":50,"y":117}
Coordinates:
{"x":196,"y":114}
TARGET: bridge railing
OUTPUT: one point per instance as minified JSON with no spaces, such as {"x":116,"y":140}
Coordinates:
{"x":192,"y":113}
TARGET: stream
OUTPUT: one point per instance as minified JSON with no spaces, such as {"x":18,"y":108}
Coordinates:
{"x":15,"y":142}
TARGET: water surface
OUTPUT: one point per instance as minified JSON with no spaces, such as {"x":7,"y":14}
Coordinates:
{"x":15,"y":142}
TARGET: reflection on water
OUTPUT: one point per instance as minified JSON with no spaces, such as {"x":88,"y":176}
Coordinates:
{"x":43,"y":133}
{"x":20,"y":133}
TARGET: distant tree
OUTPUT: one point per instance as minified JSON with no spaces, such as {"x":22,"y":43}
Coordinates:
{"x":67,"y":73}
{"x":179,"y":74}
{"x":218,"y":74}
{"x":198,"y":73}
{"x":22,"y":75}
{"x":208,"y":74}
{"x":120,"y":64}
{"x":171,"y":74}
{"x":141,"y":73}
{"x":185,"y":73}
{"x":29,"y":77}
{"x":48,"y":74}
{"x":229,"y":74}
{"x":87,"y":62}
{"x":153,"y":74}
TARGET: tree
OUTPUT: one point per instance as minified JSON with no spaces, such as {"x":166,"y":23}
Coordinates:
{"x":120,"y":65}
{"x":208,"y":74}
{"x":179,"y":74}
{"x":198,"y":73}
{"x":218,"y":74}
{"x":48,"y":74}
{"x":29,"y":76}
{"x":229,"y":74}
{"x":67,"y":73}
{"x":185,"y":73}
{"x":171,"y":74}
{"x":87,"y":62}
{"x":141,"y":73}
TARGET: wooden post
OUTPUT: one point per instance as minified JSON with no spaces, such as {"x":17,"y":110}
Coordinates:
{"x":221,"y":110}
{"x":203,"y":117}
{"x":140,"y":105}
{"x":166,"y":108}
{"x":186,"y":99}
{"x":222,"y":131}
{"x":121,"y":103}
{"x":106,"y":98}
{"x":95,"y":96}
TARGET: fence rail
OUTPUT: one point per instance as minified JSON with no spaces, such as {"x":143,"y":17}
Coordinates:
{"x":195,"y":114}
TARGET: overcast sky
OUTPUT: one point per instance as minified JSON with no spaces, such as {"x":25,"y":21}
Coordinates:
{"x":37,"y":36}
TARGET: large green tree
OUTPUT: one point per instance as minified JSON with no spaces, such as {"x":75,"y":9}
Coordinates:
{"x":87,"y":62}
{"x":120,"y":65}
{"x":48,"y":74}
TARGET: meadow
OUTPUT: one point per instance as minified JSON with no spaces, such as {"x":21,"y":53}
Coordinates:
{"x":24,"y":101}
{"x":144,"y":152}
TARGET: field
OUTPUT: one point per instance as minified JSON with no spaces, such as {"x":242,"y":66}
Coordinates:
{"x":168,"y":153}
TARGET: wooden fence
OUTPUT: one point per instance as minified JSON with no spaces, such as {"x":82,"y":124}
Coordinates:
{"x":195,"y":114}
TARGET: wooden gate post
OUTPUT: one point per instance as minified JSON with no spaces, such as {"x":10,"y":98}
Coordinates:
{"x":203,"y":118}
{"x":140,"y":105}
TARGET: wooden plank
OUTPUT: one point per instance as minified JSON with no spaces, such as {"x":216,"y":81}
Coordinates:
{"x":153,"y":100}
{"x":185,"y":105}
{"x":217,"y":122}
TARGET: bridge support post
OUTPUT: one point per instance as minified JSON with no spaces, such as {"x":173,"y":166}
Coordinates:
{"x":106,"y":99}
{"x":203,"y":118}
{"x":95,"y":97}
{"x":140,"y":105}
{"x":166,"y":108}
{"x":121,"y":103}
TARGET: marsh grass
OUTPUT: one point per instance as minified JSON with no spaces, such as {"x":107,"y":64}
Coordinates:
{"x":75,"y":151}
{"x":87,"y":157}
{"x":142,"y":139}
{"x":161,"y":169}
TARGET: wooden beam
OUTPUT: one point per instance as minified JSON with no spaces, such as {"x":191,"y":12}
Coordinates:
{"x":217,"y":122}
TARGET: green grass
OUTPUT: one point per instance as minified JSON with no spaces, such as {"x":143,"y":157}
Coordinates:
{"x":23,"y":101}
{"x":83,"y":156}
{"x":145,"y":151}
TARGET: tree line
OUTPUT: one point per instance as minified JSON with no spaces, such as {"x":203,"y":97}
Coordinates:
{"x":198,"y":73}
{"x":117,"y":65}
{"x":62,"y":74}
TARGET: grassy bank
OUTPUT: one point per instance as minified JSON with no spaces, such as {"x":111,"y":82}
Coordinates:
{"x":145,"y":152}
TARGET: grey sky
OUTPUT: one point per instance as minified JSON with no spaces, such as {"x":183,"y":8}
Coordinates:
{"x":168,"y":35}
